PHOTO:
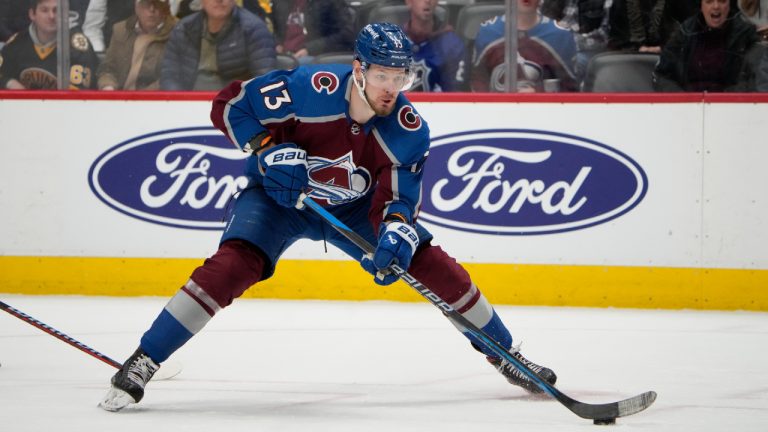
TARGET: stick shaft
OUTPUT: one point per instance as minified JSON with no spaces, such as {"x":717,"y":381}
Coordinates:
{"x":59,"y":335}
{"x":585,"y":410}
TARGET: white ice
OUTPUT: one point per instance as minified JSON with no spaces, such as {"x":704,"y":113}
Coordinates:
{"x":267,"y":365}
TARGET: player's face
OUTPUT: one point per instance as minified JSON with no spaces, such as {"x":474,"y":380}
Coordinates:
{"x":422,"y":9}
{"x":218,"y":9}
{"x":44,"y":16}
{"x":715,"y":12}
{"x":382,"y":85}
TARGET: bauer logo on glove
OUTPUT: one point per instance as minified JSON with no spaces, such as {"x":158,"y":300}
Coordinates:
{"x":397,"y":244}
{"x":284,"y":154}
{"x":284,"y":168}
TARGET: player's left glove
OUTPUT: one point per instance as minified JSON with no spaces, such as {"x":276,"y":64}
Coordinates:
{"x":285,"y":172}
{"x":397,"y":244}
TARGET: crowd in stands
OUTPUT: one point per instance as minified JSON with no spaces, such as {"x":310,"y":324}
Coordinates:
{"x":459,"y":45}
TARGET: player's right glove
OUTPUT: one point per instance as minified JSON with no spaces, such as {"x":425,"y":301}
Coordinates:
{"x":285,"y":172}
{"x":397,"y":244}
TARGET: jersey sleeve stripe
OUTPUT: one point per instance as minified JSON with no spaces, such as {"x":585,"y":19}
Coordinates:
{"x":228,"y":125}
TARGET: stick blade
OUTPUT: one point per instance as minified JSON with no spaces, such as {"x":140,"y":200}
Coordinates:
{"x":612,"y":410}
{"x":636,"y":404}
{"x":167,"y":371}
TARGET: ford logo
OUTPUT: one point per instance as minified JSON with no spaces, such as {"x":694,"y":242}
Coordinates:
{"x":527,"y":182}
{"x":182,"y":178}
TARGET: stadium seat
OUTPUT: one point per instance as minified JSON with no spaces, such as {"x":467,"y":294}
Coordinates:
{"x":467,"y":25}
{"x":334,"y":57}
{"x":471,"y":16}
{"x":363,"y":9}
{"x":453,"y":7}
{"x":620,"y":72}
{"x":399,"y":14}
{"x":286,"y":62}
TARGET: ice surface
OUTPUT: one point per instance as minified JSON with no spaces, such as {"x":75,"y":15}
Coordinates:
{"x":267,"y":365}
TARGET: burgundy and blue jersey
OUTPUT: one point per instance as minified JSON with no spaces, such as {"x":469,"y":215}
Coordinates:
{"x":545,"y":51}
{"x":309,"y":106}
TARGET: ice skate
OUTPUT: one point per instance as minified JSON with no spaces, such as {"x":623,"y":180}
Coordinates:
{"x":518,"y":378}
{"x":128,"y":383}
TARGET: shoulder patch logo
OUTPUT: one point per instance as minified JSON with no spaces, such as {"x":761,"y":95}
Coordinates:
{"x":325,"y":81}
{"x":79,"y":42}
{"x":408,"y":118}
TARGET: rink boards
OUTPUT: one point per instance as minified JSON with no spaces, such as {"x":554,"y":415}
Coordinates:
{"x":627,"y":201}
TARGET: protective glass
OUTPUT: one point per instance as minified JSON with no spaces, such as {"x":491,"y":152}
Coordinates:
{"x":389,"y":80}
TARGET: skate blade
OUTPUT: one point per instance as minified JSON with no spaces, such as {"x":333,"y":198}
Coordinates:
{"x":115,"y":400}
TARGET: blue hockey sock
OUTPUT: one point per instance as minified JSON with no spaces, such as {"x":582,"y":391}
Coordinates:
{"x":164,"y":337}
{"x":496,"y":330}
{"x":185,"y":314}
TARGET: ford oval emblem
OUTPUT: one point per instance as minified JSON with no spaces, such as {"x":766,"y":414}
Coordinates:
{"x":527,"y":182}
{"x":182,"y":178}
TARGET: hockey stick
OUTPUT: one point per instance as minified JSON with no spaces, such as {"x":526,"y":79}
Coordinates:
{"x":606,"y":411}
{"x":170,"y":372}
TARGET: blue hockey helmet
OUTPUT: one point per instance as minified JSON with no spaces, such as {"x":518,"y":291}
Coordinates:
{"x":383,"y":44}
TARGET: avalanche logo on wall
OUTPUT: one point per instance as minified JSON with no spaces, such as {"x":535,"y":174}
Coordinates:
{"x":182,"y":178}
{"x":527,"y":182}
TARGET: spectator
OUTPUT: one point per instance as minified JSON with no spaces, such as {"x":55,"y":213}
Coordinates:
{"x":638,"y":25}
{"x":29,"y":60}
{"x":14,"y":16}
{"x":545,"y":52}
{"x":762,"y":73}
{"x":715,"y":50}
{"x":210,"y":48}
{"x":77,"y":9}
{"x":101,"y":17}
{"x":136,"y":48}
{"x":756,"y":12}
{"x":589,"y":20}
{"x":438,"y":51}
{"x":262,"y":8}
{"x":306,"y":28}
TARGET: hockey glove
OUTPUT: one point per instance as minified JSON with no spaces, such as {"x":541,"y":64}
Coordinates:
{"x":397,"y":244}
{"x":285,"y":173}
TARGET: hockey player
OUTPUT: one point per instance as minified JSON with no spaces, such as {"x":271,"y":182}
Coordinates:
{"x":350,"y":139}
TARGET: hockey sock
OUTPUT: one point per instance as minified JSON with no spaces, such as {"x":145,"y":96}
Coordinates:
{"x":223,"y":277}
{"x":454,"y":285}
{"x":182,"y":318}
{"x":496,"y":330}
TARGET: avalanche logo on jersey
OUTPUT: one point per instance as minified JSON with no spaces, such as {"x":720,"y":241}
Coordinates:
{"x":325,"y":81}
{"x":527,"y":182}
{"x":408,"y":118}
{"x":337,"y":181}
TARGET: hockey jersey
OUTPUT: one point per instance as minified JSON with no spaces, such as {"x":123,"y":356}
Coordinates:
{"x":309,"y":106}
{"x":546,"y":51}
{"x":437,"y":60}
{"x":35,"y":65}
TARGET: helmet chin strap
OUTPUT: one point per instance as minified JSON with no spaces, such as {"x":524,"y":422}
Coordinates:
{"x":361,"y":90}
